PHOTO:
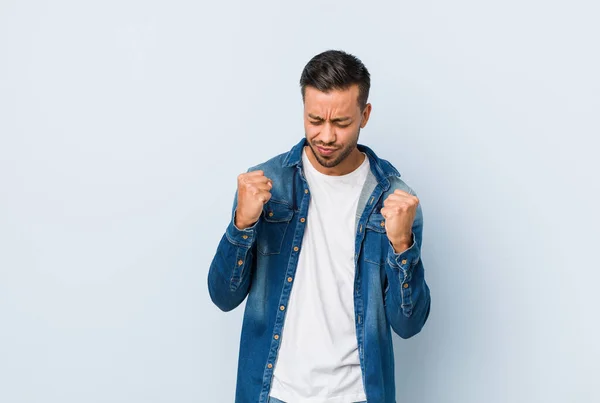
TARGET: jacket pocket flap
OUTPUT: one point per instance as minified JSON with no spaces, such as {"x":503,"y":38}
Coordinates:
{"x":277,"y":212}
{"x":376,"y":222}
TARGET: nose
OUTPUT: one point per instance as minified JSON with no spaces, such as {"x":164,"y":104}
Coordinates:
{"x":328,"y":134}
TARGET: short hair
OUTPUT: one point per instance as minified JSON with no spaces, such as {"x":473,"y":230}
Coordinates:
{"x":336,"y":70}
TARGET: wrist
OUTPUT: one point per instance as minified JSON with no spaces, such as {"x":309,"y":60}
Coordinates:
{"x":242,"y":223}
{"x":402,"y":243}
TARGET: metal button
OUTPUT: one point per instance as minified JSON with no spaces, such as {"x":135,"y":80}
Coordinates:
{"x":405,"y":285}
{"x":383,"y":223}
{"x":270,"y":214}
{"x":289,"y":279}
{"x":276,"y":337}
{"x":270,"y":366}
{"x":240,"y":262}
{"x":296,"y":249}
{"x":403,"y":261}
{"x":245,"y":236}
{"x":282,"y":308}
{"x":302,"y":219}
{"x":306,"y":191}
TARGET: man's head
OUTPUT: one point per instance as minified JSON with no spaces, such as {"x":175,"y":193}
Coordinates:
{"x":335,"y":88}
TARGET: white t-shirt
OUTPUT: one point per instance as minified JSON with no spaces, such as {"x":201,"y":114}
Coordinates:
{"x":318,"y":358}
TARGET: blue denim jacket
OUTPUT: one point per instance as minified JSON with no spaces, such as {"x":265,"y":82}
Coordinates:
{"x":390,"y":291}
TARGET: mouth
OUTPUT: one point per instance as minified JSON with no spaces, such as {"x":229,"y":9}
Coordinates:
{"x":325,"y":151}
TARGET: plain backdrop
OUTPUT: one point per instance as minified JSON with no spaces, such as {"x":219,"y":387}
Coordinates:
{"x":123,"y":126}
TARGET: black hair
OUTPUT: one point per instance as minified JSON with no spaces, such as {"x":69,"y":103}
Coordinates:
{"x":336,"y":70}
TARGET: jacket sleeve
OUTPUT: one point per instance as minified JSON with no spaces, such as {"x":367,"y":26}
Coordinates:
{"x":230,"y":272}
{"x":407,"y":298}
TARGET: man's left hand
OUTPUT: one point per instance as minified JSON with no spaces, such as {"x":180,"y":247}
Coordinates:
{"x":399,"y":212}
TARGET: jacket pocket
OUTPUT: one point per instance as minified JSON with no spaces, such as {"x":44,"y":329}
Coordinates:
{"x":276,"y":218}
{"x":376,"y":223}
{"x":375,"y":240}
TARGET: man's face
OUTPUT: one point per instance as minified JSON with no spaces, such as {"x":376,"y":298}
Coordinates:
{"x":332,"y":123}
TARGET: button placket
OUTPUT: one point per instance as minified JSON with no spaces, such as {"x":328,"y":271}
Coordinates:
{"x":276,"y":338}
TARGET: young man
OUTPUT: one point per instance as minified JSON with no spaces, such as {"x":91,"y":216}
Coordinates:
{"x":325,"y":242}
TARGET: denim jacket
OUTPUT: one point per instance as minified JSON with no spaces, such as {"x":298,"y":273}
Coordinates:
{"x":390,"y":292}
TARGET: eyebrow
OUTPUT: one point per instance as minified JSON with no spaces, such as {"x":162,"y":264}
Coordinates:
{"x":340,"y":119}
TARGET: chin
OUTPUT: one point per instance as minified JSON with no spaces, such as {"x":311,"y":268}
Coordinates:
{"x":328,"y":164}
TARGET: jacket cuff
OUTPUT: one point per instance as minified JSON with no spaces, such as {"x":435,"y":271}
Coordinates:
{"x":405,"y":260}
{"x":241,"y":237}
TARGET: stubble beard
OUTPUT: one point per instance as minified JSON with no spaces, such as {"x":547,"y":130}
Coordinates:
{"x":330,"y":163}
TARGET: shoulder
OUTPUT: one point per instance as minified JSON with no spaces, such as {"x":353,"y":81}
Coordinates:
{"x":272,"y":167}
{"x":393,"y":175}
{"x":398,"y":184}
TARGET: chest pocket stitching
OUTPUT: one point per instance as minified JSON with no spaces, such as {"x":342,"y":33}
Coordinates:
{"x":276,"y":211}
{"x":375,"y":221}
{"x":276,"y":217}
{"x":376,"y":255}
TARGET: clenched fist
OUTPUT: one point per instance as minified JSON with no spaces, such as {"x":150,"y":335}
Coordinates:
{"x":399,"y":210}
{"x":254,"y":190}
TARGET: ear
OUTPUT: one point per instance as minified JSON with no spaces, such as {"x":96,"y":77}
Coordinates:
{"x":365,"y":115}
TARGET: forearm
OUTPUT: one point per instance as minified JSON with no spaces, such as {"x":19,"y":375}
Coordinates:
{"x":231,"y":268}
{"x":407,"y":297}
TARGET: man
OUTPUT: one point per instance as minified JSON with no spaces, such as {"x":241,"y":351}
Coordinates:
{"x":325,"y":242}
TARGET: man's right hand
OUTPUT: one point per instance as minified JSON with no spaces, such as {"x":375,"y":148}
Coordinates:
{"x":254,"y":190}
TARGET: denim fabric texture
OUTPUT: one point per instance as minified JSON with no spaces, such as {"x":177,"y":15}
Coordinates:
{"x":259,"y":262}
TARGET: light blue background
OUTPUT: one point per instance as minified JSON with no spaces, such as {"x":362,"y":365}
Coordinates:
{"x":123,"y":127}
